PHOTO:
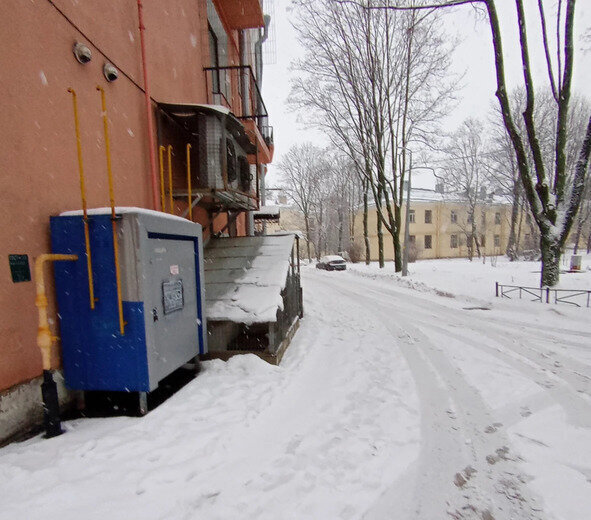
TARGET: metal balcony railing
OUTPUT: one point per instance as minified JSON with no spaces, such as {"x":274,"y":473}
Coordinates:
{"x":236,"y":88}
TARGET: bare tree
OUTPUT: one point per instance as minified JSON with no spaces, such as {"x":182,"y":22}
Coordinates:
{"x":466,"y":178}
{"x":501,"y":160}
{"x":373,"y":81}
{"x":302,"y":169}
{"x":553,"y":198}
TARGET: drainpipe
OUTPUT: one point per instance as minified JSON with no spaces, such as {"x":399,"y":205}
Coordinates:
{"x":258,"y":52}
{"x":151,"y":148}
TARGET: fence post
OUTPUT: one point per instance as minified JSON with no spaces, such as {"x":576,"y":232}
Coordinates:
{"x":547,"y":294}
{"x":497,"y":289}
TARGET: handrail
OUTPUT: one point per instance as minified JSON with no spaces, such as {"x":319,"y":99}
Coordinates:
{"x":253,"y":82}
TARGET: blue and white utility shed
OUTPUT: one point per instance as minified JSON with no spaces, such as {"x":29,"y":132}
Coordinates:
{"x":161,"y":266}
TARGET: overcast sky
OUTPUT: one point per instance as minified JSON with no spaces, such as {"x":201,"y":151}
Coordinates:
{"x":473,"y":56}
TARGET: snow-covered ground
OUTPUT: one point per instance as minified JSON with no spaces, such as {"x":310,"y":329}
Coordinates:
{"x":419,"y":398}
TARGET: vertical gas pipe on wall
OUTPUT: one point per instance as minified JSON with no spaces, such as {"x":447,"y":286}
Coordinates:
{"x":169,"y":153}
{"x":83,"y":195}
{"x":161,"y":159}
{"x":113,"y":215}
{"x":189,"y":182}
{"x":151,"y":149}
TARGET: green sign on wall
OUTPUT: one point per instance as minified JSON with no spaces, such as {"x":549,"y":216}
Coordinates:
{"x":19,"y":268}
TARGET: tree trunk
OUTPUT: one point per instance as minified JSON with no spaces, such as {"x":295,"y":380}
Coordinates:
{"x":475,"y":237}
{"x":396,"y":240}
{"x":341,"y":219}
{"x":380,"y":244}
{"x":380,"y":234}
{"x":512,"y":242}
{"x":522,"y":205}
{"x":307,"y":223}
{"x":578,"y":234}
{"x":550,"y":262}
{"x":366,"y":228}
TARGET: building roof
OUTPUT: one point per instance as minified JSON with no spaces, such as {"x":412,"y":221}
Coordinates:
{"x":244,"y":277}
{"x":429,"y":195}
{"x":267,"y":213}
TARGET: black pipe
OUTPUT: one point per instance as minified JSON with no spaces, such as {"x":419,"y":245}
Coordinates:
{"x":51,"y":407}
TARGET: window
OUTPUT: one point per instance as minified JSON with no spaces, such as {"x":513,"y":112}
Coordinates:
{"x":470,"y":218}
{"x":497,"y":241}
{"x":497,"y":218}
{"x":484,"y":218}
{"x":454,"y":218}
{"x":218,"y":56}
{"x":412,"y":239}
{"x":411,"y":216}
{"x":428,"y":242}
{"x":428,"y":216}
{"x":482,"y":240}
{"x":214,"y":58}
{"x":453,"y":242}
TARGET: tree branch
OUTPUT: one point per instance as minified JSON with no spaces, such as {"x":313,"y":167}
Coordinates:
{"x":446,"y":3}
{"x":547,"y":51}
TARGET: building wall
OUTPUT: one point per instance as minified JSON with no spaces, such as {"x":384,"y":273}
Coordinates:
{"x":442,"y":228}
{"x":38,"y":153}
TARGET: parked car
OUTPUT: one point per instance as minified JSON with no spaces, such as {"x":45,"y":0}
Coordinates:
{"x":332,"y":263}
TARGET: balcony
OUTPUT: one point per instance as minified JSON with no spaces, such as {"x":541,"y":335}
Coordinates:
{"x":216,"y":166}
{"x":235,"y":87}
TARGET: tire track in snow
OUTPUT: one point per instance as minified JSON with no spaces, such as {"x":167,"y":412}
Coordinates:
{"x":570,"y":378}
{"x":566,"y":380}
{"x":463,"y":436}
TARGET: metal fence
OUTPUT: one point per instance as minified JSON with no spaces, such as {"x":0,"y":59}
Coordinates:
{"x":576,"y":297}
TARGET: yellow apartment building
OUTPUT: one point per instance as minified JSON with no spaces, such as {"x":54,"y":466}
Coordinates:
{"x":439,"y":226}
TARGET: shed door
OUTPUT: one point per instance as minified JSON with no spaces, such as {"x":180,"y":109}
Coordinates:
{"x":173,"y":306}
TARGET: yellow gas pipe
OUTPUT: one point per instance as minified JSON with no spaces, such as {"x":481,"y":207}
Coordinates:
{"x":83,"y":193}
{"x":161,"y":158}
{"x":44,"y":337}
{"x":189,"y":180}
{"x":113,"y":215}
{"x":170,"y":178}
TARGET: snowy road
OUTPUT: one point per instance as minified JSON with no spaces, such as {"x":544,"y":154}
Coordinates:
{"x":459,"y":429}
{"x":390,"y":404}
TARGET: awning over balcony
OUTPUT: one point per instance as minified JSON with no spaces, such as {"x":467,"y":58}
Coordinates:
{"x":241,"y":14}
